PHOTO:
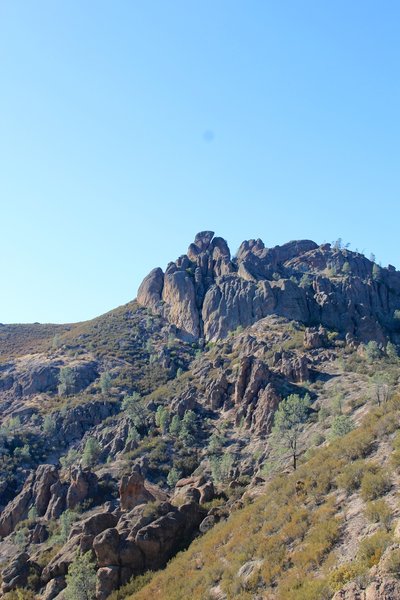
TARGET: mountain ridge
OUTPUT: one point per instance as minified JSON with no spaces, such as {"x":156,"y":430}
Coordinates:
{"x":125,"y":438}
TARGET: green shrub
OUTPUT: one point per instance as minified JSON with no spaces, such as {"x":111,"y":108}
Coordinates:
{"x":378,"y":511}
{"x":372,"y":548}
{"x":392,"y":562}
{"x":351,"y":476}
{"x":375,"y":484}
{"x":343,"y":574}
{"x":342,"y":425}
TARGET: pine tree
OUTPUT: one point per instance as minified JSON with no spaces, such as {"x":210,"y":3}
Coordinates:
{"x":66,"y":381}
{"x":91,"y":452}
{"x":175,"y":426}
{"x":162,"y":418}
{"x":105,"y":382}
{"x":81,"y":579}
{"x":292,"y":413}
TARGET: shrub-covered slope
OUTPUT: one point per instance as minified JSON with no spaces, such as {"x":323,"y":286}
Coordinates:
{"x":304,"y":535}
{"x":172,"y":424}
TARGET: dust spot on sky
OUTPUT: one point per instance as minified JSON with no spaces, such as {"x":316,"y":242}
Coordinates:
{"x":208,"y":136}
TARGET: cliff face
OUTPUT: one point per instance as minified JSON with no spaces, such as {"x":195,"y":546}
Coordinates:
{"x":206,"y":293}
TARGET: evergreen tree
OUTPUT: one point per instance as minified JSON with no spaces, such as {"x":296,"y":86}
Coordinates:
{"x":175,"y":426}
{"x":188,"y":430}
{"x":292,"y":413}
{"x":135,"y":410}
{"x":91,"y":452}
{"x":81,"y":579}
{"x":376,"y":272}
{"x":49,"y":425}
{"x":391,"y":351}
{"x":346,"y":269}
{"x":173,"y":477}
{"x":341,"y":425}
{"x":66,"y":381}
{"x":162,"y":418}
{"x":105,"y":382}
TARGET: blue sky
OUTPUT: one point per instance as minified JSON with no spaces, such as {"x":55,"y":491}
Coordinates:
{"x":127,"y":126}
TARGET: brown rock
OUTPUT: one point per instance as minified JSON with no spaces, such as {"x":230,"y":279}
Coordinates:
{"x":295,"y":367}
{"x":158,"y":539}
{"x":16,"y":573}
{"x":133,"y":492}
{"x":53,"y":588}
{"x":17,"y":509}
{"x":315,"y":338}
{"x":106,"y":547}
{"x":83,"y":486}
{"x":45,"y":477}
{"x":58,"y":500}
{"x":107,"y":581}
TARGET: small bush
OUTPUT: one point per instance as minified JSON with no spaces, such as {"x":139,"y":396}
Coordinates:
{"x":372,"y":548}
{"x":374,"y":484}
{"x":342,"y":575}
{"x":378,"y":511}
{"x":351,"y":476}
{"x":392,"y":562}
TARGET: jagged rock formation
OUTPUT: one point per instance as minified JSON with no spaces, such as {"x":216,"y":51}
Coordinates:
{"x":45,"y":492}
{"x":285,"y":320}
{"x":206,"y":293}
{"x":126,"y":539}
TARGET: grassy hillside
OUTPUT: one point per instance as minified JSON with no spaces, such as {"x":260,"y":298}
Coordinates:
{"x":300,"y":539}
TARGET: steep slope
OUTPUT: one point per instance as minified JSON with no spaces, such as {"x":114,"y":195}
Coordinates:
{"x":306,"y":535}
{"x":130,"y":435}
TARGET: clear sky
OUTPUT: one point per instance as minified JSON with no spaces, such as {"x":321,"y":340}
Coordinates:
{"x":127,"y":126}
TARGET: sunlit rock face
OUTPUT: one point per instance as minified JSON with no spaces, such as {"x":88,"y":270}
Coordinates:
{"x":206,"y":293}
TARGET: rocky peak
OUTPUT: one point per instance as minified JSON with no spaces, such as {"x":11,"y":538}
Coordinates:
{"x":206,"y":294}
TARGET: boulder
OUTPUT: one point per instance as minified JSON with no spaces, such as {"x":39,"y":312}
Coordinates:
{"x":315,"y":338}
{"x":17,"y":509}
{"x":53,"y":588}
{"x":158,"y":539}
{"x":15,"y":575}
{"x":107,"y":581}
{"x":106,"y":547}
{"x":133,"y":492}
{"x":83,"y":486}
{"x":295,"y":367}
{"x":58,"y":500}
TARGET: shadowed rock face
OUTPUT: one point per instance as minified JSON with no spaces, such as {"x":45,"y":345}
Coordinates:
{"x":206,"y":293}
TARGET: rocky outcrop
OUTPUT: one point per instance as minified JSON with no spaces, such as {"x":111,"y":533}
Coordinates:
{"x":293,"y":366}
{"x":58,"y":500}
{"x":133,"y":492}
{"x":36,"y":492}
{"x":256,"y":397}
{"x":382,"y":588}
{"x":37,"y":375}
{"x":83,"y":486}
{"x":46,"y":476}
{"x":16,"y":574}
{"x":128,"y":542}
{"x":17,"y":509}
{"x":44,"y":491}
{"x":315,"y":338}
{"x":206,"y":293}
{"x":194,"y":489}
{"x":71,"y":425}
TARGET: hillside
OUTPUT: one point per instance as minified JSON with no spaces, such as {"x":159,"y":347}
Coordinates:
{"x":159,"y":429}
